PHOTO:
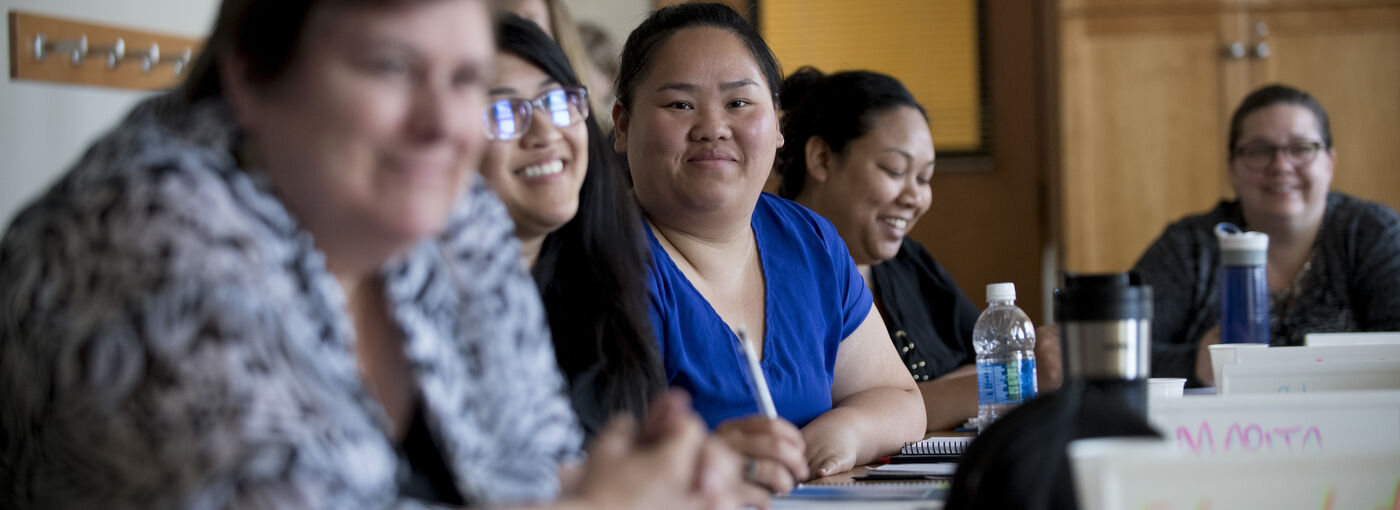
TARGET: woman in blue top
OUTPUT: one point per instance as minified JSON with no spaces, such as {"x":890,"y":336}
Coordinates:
{"x":697,"y":119}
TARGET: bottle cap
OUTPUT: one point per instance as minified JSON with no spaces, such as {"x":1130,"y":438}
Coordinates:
{"x":1239,"y":248}
{"x":1005,"y":291}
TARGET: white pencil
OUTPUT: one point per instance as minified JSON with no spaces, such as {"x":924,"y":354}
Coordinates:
{"x":757,"y":382}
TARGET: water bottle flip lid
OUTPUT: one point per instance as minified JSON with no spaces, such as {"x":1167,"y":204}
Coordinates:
{"x":1232,"y":238}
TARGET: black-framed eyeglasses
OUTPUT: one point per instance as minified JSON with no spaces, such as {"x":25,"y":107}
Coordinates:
{"x":508,"y":119}
{"x":1260,"y":155}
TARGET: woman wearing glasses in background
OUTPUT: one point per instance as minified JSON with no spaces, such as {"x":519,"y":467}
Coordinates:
{"x":1333,"y":260}
{"x":579,"y":230}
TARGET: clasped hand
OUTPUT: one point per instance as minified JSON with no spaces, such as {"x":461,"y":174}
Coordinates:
{"x":670,"y":462}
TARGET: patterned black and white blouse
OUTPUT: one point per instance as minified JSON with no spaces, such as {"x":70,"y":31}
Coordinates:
{"x":170,"y":338}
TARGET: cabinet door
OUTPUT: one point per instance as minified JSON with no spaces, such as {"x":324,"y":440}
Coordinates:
{"x":1141,"y":129}
{"x":1349,"y":59}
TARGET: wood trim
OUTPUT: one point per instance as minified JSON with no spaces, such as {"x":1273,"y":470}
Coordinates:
{"x":1136,"y":25}
{"x":93,"y":70}
{"x":1316,"y":4}
{"x":1052,"y":262}
{"x":1332,"y":20}
{"x":1069,"y":8}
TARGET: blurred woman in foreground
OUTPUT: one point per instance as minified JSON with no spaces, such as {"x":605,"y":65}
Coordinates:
{"x":281,"y":286}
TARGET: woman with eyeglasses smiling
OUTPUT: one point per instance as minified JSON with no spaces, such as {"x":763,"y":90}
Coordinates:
{"x":581,"y":236}
{"x":1333,"y":260}
{"x":580,"y":231}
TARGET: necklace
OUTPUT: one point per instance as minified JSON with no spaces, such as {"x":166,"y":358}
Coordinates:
{"x":1285,"y":299}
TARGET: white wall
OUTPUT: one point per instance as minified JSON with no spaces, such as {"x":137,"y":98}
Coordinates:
{"x":45,"y":126}
{"x":619,"y":17}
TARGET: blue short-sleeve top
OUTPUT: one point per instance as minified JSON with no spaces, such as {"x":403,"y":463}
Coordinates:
{"x":815,"y":297}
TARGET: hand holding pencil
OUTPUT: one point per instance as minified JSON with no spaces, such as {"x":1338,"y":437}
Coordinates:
{"x":772,"y":447}
{"x":757,"y":382}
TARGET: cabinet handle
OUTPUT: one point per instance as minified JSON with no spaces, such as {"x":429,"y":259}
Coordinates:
{"x":1262,"y":50}
{"x":1235,"y":50}
{"x":1261,"y":29}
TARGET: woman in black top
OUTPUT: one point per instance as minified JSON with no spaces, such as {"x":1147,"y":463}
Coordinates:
{"x":1333,"y":260}
{"x":859,"y":152}
{"x":579,"y":230}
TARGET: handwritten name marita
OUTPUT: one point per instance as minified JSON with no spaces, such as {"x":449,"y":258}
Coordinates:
{"x":1250,"y":438}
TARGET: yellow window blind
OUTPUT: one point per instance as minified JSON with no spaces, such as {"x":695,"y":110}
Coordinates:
{"x":930,"y":45}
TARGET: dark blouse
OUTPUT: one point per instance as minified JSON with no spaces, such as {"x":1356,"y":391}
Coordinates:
{"x":1351,"y":282}
{"x":929,"y":318}
{"x":586,"y":394}
{"x":427,"y":478}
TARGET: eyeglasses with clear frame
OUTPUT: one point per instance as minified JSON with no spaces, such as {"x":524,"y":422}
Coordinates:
{"x":1259,"y":156}
{"x":509,"y":118}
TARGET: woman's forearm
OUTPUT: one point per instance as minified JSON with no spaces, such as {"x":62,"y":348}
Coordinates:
{"x":883,"y":419}
{"x":950,"y":399}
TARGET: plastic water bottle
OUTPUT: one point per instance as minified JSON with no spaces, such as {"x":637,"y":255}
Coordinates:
{"x":1244,"y":285}
{"x":1005,"y":342}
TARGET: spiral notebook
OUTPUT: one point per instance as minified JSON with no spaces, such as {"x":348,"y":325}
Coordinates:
{"x":933,"y":449}
{"x":886,"y":491}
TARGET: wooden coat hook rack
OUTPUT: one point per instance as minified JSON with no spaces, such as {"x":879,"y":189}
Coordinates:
{"x":44,"y":48}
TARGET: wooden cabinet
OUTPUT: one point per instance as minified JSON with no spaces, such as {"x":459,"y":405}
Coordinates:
{"x":1145,"y":89}
{"x":1350,"y":60}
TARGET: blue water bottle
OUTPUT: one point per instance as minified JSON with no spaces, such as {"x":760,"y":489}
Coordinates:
{"x":1244,"y":285}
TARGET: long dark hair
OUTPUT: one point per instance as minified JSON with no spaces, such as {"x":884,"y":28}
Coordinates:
{"x":591,"y":271}
{"x":648,"y":36}
{"x":837,"y":108}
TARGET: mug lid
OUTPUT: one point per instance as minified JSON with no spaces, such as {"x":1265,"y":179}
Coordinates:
{"x":1095,"y":297}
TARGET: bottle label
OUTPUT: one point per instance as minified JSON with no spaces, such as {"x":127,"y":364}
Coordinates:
{"x":1010,"y":382}
{"x":1029,"y":388}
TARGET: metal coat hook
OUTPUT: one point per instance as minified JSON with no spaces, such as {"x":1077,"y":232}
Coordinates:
{"x":178,"y":63}
{"x":148,"y":58}
{"x":75,"y":48}
{"x":78,"y":52}
{"x":116,"y":52}
{"x":59,"y":50}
